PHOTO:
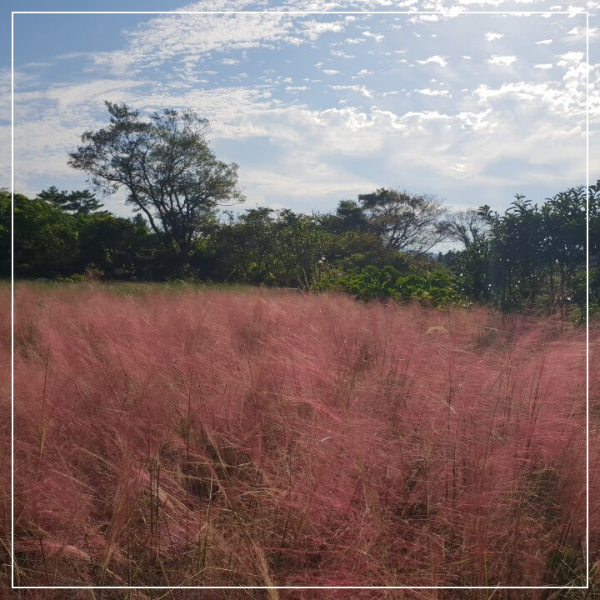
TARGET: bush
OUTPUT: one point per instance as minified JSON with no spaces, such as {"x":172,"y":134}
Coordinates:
{"x":436,"y":287}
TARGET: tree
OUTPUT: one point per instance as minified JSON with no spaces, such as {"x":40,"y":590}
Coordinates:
{"x":5,"y":227}
{"x":116,"y":246}
{"x":46,"y":238}
{"x":79,"y":202}
{"x":407,"y":222}
{"x":470,"y":265}
{"x":246,"y":247}
{"x":167,"y":168}
{"x":468,"y":227}
{"x":276,"y":248}
{"x":349,"y":216}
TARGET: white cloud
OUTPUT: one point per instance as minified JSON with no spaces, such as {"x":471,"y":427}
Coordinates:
{"x":543,"y":66}
{"x":190,"y":36}
{"x":501,"y":61}
{"x":363,"y":90}
{"x":437,"y":60}
{"x":544,"y":42}
{"x":341,"y":54}
{"x":564,"y":101}
{"x":36,"y":65}
{"x":424,"y":19}
{"x":579,"y":34}
{"x":330,"y":72}
{"x":491,"y":36}
{"x":298,"y":88}
{"x":313,"y":29}
{"x":570,"y":57}
{"x":428,"y":92}
{"x":229,"y":61}
{"x":378,"y":37}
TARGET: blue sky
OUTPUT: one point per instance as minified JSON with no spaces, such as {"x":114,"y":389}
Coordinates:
{"x":318,"y":108}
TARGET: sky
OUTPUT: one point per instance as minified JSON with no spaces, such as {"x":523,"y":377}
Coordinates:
{"x":317,"y":108}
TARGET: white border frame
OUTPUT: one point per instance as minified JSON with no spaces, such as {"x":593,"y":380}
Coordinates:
{"x":447,"y":13}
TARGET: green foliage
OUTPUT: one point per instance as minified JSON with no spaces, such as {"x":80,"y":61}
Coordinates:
{"x":436,"y":287}
{"x":166,"y":166}
{"x":536,"y":251}
{"x":532,"y":256}
{"x":262,"y":246}
{"x":78,"y":202}
{"x":5,"y":227}
{"x":470,"y":268}
{"x":578,"y":300}
{"x":46,"y":239}
{"x":50,"y":242}
{"x":118,"y":247}
{"x":405,"y":222}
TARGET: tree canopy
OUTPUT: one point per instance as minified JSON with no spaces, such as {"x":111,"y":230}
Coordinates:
{"x":79,"y":202}
{"x":407,"y":222}
{"x":167,"y":167}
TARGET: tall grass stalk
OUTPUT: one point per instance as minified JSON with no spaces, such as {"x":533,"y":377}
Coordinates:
{"x":187,"y":436}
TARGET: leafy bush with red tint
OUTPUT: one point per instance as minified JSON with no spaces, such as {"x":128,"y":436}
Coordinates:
{"x":269,"y":438}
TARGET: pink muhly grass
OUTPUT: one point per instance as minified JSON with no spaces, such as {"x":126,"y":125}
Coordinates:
{"x":271,"y":438}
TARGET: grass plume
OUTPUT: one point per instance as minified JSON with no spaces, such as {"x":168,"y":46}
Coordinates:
{"x":272,"y":438}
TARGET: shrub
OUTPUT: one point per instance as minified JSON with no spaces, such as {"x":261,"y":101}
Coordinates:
{"x":435,"y":287}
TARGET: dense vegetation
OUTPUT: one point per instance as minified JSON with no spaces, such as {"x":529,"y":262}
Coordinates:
{"x":533,"y":255}
{"x":184,"y":436}
{"x":378,"y":246}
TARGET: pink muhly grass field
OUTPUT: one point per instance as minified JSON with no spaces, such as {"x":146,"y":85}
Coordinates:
{"x":271,"y":438}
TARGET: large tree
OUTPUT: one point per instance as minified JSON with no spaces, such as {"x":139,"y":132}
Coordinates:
{"x":407,"y":222}
{"x":167,"y":167}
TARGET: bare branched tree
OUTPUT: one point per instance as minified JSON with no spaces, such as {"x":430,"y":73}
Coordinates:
{"x":468,"y":227}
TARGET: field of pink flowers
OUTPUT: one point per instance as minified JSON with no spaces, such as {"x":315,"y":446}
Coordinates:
{"x":265,"y":438}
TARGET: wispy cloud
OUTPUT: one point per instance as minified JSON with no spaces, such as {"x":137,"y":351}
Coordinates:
{"x":251,"y":75}
{"x":378,"y":37}
{"x":353,"y":41}
{"x":501,"y":61}
{"x":361,"y":89}
{"x":341,"y":54}
{"x":429,"y":92}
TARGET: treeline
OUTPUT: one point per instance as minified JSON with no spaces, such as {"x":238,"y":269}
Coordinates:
{"x":379,"y":246}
